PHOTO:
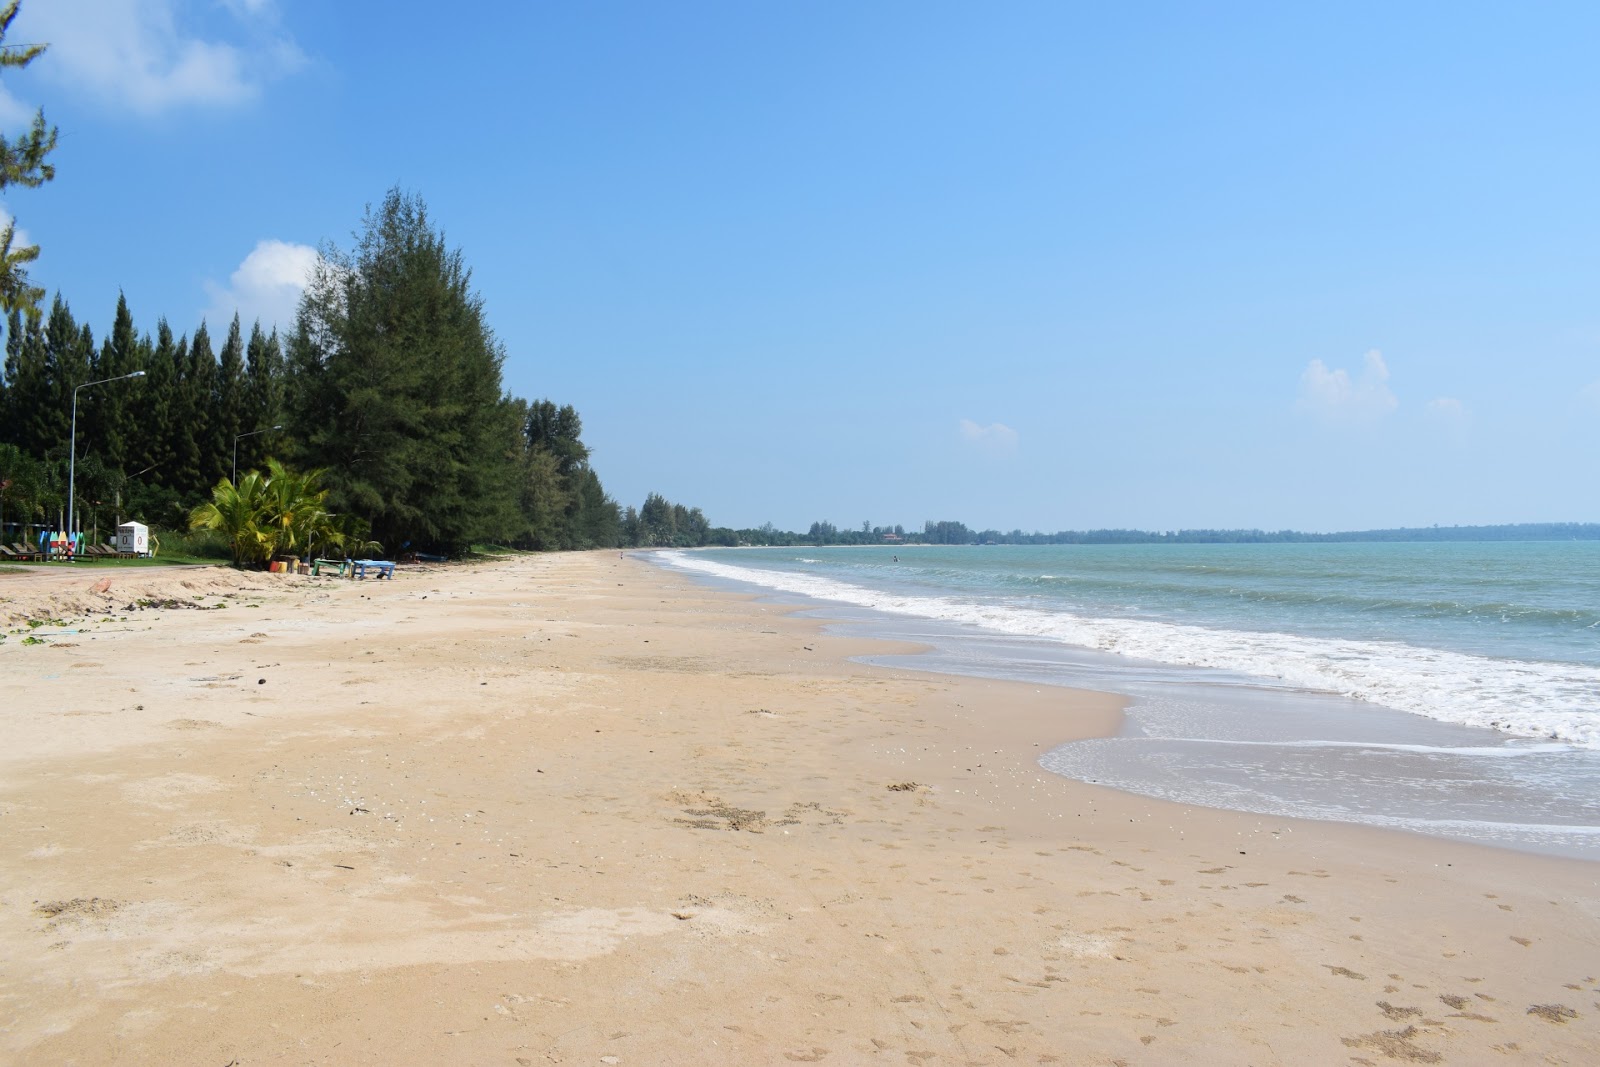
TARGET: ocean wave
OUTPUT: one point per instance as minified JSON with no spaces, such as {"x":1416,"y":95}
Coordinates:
{"x":1555,"y":701}
{"x":1506,"y":751}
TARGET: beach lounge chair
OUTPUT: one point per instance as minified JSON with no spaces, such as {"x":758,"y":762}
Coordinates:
{"x":23,"y":551}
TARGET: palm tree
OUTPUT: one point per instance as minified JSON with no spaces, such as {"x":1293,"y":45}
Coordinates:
{"x":294,"y":508}
{"x":238,"y":512}
{"x":283,"y":512}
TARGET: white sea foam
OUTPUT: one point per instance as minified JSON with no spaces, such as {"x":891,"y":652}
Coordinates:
{"x":1508,"y":750}
{"x":1558,"y":701}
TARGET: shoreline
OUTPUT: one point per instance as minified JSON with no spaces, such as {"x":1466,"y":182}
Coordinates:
{"x":572,"y":807}
{"x":1032,"y":736}
{"x":1225,"y":740}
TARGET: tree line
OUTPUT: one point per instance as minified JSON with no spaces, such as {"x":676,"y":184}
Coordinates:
{"x":956,"y":533}
{"x":388,"y":385}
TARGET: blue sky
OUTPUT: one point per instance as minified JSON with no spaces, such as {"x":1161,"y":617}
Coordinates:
{"x":1041,"y":265}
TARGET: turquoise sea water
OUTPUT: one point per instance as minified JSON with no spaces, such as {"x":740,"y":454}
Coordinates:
{"x":1458,"y":684}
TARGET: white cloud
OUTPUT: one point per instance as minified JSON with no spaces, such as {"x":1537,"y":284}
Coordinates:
{"x":14,"y":114}
{"x":147,"y":56}
{"x":267,"y":286}
{"x":19,"y":236}
{"x":996,"y":439}
{"x":1335,"y":396}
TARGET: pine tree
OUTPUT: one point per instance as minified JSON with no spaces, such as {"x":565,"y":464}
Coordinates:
{"x":402,"y":400}
{"x":53,"y":361}
{"x":599,"y":524}
{"x":22,"y":162}
{"x":656,"y":526}
{"x":152,"y":453}
{"x":264,"y":371}
{"x":212,"y":455}
{"x":233,"y":393}
{"x":187,"y":471}
{"x":558,"y":431}
{"x":8,"y":375}
{"x":106,"y":420}
{"x":31,"y":396}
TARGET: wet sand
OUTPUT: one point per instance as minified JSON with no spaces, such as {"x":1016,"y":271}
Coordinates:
{"x":577,"y":809}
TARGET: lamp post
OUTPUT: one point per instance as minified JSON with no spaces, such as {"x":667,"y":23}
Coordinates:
{"x":241,"y":437}
{"x":72,"y":452}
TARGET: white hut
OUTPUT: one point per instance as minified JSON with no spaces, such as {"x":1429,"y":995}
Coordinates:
{"x":133,"y":537}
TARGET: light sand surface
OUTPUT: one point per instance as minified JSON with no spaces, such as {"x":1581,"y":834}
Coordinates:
{"x":577,"y":809}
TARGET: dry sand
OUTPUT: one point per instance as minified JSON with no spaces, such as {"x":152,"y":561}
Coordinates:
{"x":575,"y":809}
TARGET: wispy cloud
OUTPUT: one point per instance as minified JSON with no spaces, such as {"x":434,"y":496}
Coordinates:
{"x":14,"y":114}
{"x":266,"y":286}
{"x":149,"y":56}
{"x":19,"y":236}
{"x":1336,"y":396}
{"x":996,"y":439}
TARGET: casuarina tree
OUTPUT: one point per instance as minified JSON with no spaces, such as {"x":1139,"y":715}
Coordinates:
{"x":395,"y":385}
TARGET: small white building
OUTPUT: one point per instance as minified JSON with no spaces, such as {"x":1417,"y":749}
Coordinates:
{"x":133,"y":537}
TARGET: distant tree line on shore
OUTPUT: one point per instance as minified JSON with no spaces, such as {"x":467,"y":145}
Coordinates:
{"x":389,"y":385}
{"x":956,"y":533}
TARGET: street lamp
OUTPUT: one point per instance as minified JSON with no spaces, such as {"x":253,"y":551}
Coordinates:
{"x":241,"y":437}
{"x":72,"y":452}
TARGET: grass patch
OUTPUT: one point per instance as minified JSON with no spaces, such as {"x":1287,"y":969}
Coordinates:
{"x":175,"y":548}
{"x":84,"y":563}
{"x":491,"y":552}
{"x":194,"y":546}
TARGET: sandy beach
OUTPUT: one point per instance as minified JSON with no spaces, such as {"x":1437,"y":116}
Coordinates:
{"x":576,"y":809}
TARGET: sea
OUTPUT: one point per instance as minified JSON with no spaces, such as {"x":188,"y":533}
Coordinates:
{"x":1450,"y":689}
